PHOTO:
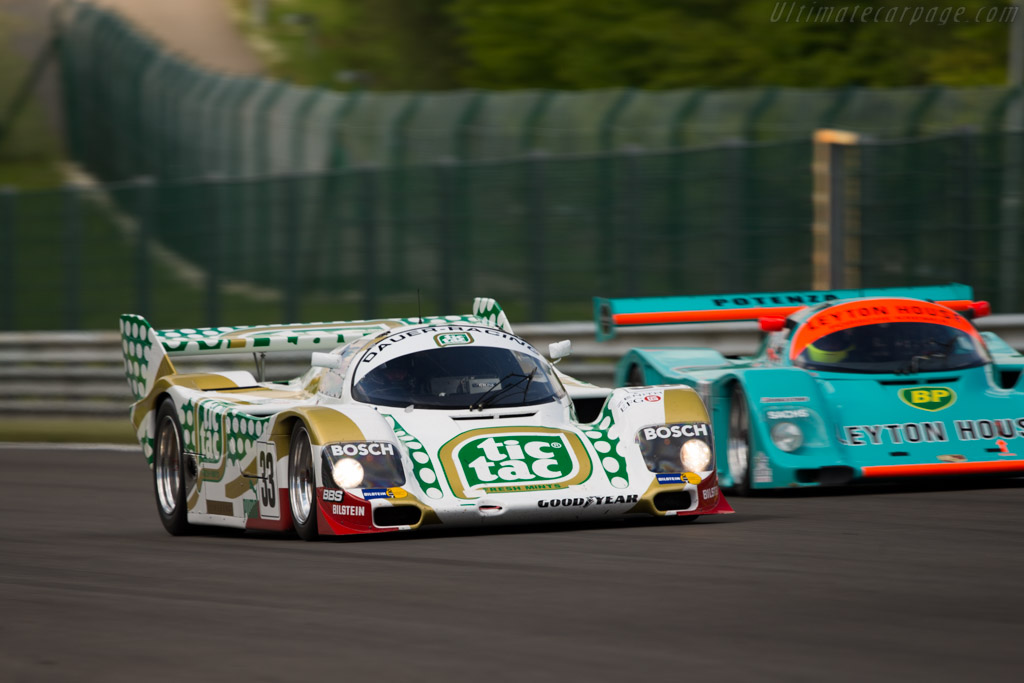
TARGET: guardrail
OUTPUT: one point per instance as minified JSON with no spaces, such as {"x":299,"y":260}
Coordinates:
{"x":63,"y":374}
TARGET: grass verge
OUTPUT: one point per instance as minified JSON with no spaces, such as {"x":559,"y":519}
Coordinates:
{"x":67,"y":430}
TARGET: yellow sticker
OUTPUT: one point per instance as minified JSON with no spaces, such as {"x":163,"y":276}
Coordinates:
{"x":397,"y":493}
{"x":692,"y":477}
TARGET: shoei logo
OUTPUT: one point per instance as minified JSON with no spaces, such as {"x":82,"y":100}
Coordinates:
{"x":453,"y":339}
{"x":498,"y":461}
{"x":928,"y":398}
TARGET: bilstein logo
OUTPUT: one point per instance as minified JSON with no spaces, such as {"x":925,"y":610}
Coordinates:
{"x":928,"y":398}
{"x":453,"y":339}
{"x":501,"y":461}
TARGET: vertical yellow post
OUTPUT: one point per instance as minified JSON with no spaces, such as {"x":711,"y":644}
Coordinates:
{"x":836,"y":227}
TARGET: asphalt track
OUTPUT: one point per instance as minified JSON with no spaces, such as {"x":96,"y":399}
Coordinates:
{"x":879,"y":584}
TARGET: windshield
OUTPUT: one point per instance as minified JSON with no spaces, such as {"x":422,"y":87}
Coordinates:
{"x":894,"y":348}
{"x":459,"y":377}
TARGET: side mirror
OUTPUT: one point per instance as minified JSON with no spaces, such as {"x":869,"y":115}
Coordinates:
{"x":559,"y":350}
{"x":325,"y":360}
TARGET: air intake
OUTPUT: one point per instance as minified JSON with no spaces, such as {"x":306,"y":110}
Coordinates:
{"x":399,"y":515}
{"x":673,"y":500}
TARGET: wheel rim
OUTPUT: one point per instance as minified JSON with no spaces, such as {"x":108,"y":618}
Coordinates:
{"x":739,"y":448}
{"x":167,"y":466}
{"x":300,"y":484}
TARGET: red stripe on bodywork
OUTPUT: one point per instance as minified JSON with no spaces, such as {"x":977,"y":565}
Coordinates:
{"x":722,"y":315}
{"x":953,"y":468}
{"x":667,"y":317}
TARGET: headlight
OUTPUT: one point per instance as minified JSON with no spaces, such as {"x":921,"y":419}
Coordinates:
{"x":696,"y":455}
{"x":787,"y":436}
{"x":347,"y":473}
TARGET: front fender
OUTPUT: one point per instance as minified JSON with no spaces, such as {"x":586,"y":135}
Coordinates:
{"x":791,"y":395}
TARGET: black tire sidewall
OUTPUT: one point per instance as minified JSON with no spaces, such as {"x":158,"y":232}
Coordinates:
{"x":176,"y":523}
{"x":737,"y":398}
{"x":307,"y":531}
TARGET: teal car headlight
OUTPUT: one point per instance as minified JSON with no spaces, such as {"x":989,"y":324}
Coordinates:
{"x":787,"y":436}
{"x":695,"y":455}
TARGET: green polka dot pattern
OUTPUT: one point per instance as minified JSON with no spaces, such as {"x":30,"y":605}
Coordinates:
{"x":140,"y":358}
{"x":490,"y":312}
{"x":243,"y":431}
{"x":422,"y":468}
{"x":605,"y":437}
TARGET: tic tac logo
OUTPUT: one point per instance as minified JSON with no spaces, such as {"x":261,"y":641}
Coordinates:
{"x":453,"y":339}
{"x":518,"y":459}
{"x":928,"y":398}
{"x":503,"y":460}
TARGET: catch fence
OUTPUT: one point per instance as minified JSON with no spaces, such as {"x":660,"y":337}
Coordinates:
{"x":541,"y":234}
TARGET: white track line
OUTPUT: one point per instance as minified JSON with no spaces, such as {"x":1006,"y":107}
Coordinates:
{"x":87,"y":447}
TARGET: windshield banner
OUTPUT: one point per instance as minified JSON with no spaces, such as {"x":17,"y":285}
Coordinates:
{"x":873,"y":312}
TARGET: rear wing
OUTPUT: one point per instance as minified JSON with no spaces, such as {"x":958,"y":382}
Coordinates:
{"x":610,"y":314}
{"x":148,"y":352}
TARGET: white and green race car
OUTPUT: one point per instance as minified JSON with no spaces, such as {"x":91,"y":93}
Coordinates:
{"x":403,"y":423}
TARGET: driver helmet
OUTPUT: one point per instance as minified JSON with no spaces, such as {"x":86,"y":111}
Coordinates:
{"x":832,"y":348}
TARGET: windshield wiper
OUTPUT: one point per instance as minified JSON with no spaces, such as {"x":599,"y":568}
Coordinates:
{"x":483,"y":401}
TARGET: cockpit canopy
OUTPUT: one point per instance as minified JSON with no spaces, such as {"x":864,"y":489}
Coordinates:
{"x":894,"y":347}
{"x":473,"y":375}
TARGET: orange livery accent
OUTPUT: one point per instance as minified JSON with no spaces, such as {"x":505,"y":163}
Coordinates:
{"x":954,"y":468}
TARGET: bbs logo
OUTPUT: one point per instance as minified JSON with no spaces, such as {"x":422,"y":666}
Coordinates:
{"x":333,"y":495}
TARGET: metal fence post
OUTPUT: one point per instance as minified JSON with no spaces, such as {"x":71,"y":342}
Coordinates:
{"x":733,"y":238}
{"x":368,"y":224}
{"x":534,"y":201}
{"x":144,"y":224}
{"x":72,"y":256}
{"x":292,"y":270}
{"x":964,"y":242}
{"x":8,"y":229}
{"x":634,"y":234}
{"x":214,"y":202}
{"x":445,"y":233}
{"x":830,"y":208}
{"x":398,"y":159}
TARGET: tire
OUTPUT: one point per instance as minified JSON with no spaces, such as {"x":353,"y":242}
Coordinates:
{"x":738,"y":443}
{"x":302,"y":484}
{"x":174,"y":472}
{"x":635,"y":376}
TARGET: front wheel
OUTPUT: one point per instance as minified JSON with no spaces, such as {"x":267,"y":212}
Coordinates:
{"x":173,"y":471}
{"x":739,"y":447}
{"x":302,"y":484}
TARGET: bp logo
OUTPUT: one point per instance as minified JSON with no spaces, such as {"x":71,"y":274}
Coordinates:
{"x":930,"y":398}
{"x":453,"y":339}
{"x":500,"y":461}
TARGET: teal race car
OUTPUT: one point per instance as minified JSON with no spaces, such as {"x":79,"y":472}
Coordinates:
{"x":847,"y":385}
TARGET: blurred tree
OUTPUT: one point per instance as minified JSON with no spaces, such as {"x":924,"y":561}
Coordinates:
{"x":431,"y":44}
{"x":668,"y":43}
{"x":370,"y":43}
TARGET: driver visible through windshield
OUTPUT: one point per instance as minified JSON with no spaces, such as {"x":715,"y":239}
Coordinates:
{"x":898,"y":347}
{"x":473,"y":377}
